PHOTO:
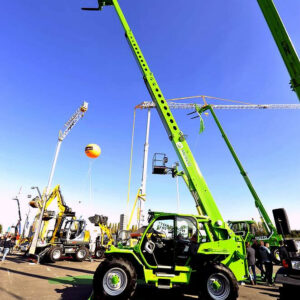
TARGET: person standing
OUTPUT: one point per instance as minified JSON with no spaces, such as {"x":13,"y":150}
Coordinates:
{"x":251,"y":263}
{"x":283,"y":253}
{"x":6,"y":246}
{"x":258,"y":263}
{"x":267,"y":260}
{"x":1,"y":244}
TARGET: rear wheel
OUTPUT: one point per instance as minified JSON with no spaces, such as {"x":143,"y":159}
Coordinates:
{"x":81,"y":254}
{"x":219,"y":284}
{"x":99,"y":253}
{"x":114,"y":279}
{"x":55,"y":254}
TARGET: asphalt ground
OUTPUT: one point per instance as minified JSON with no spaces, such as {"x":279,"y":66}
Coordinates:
{"x":20,"y":279}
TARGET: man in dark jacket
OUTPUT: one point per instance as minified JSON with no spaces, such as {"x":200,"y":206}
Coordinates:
{"x":283,"y":253}
{"x":258,"y":263}
{"x":267,"y":260}
{"x":251,"y":263}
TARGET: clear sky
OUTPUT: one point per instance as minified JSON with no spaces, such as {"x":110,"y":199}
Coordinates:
{"x":53,"y":56}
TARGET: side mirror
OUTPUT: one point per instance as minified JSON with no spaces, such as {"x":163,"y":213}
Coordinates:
{"x":281,"y":221}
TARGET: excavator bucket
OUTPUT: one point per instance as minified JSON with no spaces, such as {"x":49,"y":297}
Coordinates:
{"x":48,"y":215}
{"x":97,"y":219}
{"x":34,"y":202}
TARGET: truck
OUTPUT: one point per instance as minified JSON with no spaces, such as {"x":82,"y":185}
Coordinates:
{"x":193,"y":251}
{"x":288,"y":276}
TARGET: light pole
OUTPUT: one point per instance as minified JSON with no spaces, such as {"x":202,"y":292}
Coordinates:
{"x":69,"y":125}
{"x":38,"y":190}
{"x":18,"y":226}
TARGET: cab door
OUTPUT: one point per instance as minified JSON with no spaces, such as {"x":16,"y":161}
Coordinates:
{"x":186,"y":239}
{"x":158,"y":243}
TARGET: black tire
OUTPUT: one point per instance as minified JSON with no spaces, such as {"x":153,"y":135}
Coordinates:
{"x":81,"y":254}
{"x":54,"y":254}
{"x":99,"y":253}
{"x":218,"y":283}
{"x":117,"y":269}
{"x":288,"y":292}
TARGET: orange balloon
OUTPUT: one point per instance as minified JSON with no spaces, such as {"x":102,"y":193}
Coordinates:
{"x":92,"y":150}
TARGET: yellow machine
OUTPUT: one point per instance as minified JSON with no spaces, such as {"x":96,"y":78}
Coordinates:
{"x":69,"y":236}
{"x":105,"y":240}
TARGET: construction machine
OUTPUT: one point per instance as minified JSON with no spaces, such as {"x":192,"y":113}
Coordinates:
{"x":105,"y":239}
{"x":69,"y":236}
{"x":248,"y":229}
{"x":283,"y":42}
{"x":193,"y":251}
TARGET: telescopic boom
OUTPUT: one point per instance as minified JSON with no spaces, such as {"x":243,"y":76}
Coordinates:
{"x":196,"y":183}
{"x":283,"y":41}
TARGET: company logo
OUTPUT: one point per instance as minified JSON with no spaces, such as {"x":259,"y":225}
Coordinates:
{"x":179,"y":145}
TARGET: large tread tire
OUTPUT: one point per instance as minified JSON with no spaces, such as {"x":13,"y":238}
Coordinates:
{"x":81,"y":254}
{"x":218,"y":283}
{"x":288,"y":292}
{"x":54,"y":254}
{"x":128,"y":282}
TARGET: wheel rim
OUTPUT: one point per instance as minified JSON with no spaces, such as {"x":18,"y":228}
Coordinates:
{"x":218,"y":286}
{"x":56,"y":254}
{"x":114,"y":281}
{"x":99,"y":253}
{"x":81,"y":254}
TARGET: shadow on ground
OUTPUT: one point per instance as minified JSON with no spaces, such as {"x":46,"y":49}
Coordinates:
{"x":83,"y":292}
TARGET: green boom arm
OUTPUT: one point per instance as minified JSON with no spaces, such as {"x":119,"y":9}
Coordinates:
{"x":263,"y":213}
{"x":204,"y":201}
{"x":283,"y":42}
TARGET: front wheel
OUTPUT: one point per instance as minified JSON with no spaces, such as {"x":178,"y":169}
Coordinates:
{"x":81,"y":254}
{"x":55,"y":254}
{"x":219,"y":284}
{"x":114,"y":279}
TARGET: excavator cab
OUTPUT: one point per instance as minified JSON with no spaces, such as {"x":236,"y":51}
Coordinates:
{"x":74,"y":231}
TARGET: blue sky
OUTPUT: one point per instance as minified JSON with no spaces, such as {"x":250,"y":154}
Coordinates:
{"x":54,"y":56}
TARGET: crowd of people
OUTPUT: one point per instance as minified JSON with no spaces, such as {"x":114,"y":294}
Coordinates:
{"x":7,"y":243}
{"x":260,"y":256}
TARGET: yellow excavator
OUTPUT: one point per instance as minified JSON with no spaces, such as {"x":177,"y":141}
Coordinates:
{"x":105,"y":239}
{"x":69,"y":236}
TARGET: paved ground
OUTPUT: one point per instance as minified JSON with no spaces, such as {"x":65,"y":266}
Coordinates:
{"x":72,"y":281}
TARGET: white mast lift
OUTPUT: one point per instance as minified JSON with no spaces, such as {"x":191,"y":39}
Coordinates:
{"x":79,"y":113}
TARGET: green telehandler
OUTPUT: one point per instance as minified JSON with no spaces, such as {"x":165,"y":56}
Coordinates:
{"x":283,"y":42}
{"x":248,"y":228}
{"x":198,"y":252}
